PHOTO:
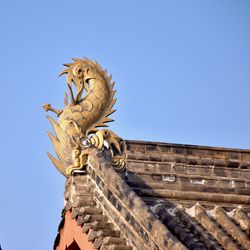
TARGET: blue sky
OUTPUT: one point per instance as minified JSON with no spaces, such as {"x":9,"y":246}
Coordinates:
{"x":182,"y":72}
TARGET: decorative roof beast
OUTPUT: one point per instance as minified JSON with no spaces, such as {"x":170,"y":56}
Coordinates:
{"x":77,"y":127}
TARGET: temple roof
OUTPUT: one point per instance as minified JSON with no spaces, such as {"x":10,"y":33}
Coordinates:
{"x":170,"y":196}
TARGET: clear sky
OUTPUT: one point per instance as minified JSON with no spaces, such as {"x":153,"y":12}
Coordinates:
{"x":182,"y":72}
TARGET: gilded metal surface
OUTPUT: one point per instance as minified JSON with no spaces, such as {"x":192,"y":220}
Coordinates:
{"x":77,"y":127}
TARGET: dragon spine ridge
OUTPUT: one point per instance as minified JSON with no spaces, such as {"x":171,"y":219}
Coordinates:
{"x":99,"y":99}
{"x":78,"y":123}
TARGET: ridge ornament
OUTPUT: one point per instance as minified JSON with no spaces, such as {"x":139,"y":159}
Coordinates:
{"x":77,"y":127}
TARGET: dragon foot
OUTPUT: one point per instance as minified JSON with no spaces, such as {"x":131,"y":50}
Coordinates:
{"x":118,"y":162}
{"x":115,"y":144}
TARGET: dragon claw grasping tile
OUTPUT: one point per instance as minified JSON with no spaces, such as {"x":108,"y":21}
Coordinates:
{"x":77,"y":127}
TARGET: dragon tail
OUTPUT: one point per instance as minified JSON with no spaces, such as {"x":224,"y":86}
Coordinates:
{"x":101,"y":122}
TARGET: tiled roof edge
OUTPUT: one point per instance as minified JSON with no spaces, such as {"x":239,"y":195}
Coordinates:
{"x":140,"y":212}
{"x":82,"y":210}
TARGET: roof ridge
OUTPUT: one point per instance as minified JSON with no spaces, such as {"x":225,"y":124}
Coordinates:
{"x":136,"y":212}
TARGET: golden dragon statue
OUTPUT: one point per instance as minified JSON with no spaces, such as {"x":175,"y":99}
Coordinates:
{"x":78,"y":123}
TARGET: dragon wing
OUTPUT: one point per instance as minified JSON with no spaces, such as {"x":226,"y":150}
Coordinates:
{"x":64,"y":147}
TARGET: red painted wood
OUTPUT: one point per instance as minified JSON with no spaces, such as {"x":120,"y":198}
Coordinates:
{"x":71,"y":233}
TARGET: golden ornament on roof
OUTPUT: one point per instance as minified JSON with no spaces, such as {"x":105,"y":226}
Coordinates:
{"x":89,"y":108}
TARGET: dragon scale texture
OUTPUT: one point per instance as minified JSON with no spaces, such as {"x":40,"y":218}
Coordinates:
{"x":78,"y":123}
